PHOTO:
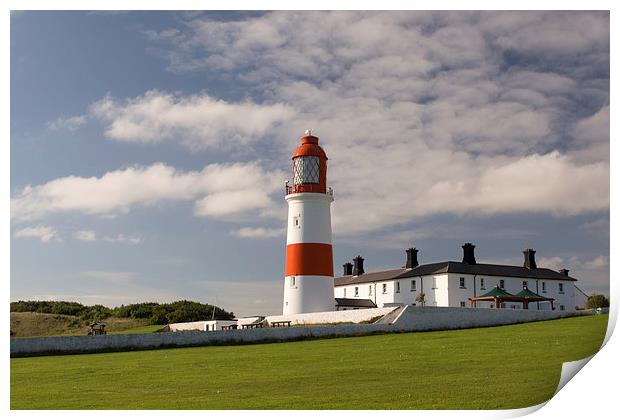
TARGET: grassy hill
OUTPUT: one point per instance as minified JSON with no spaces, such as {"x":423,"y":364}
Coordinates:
{"x":486,"y":368}
{"x":31,"y":324}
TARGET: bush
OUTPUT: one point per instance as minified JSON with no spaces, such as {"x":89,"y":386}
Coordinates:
{"x":597,"y":301}
{"x":166,"y":313}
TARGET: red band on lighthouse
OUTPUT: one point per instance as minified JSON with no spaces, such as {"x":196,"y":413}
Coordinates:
{"x":308,"y":259}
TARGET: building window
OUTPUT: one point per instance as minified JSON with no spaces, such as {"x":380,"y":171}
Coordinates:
{"x":413,"y":285}
{"x":525,"y":284}
{"x":344,"y":292}
{"x":306,"y":170}
{"x":482,"y":284}
{"x":561,"y":287}
{"x":462,"y":283}
{"x":370,"y":290}
{"x":561,"y":307}
{"x":544,"y":287}
{"x":462,"y":304}
{"x":501,"y":284}
{"x":397,"y":287}
{"x":293,"y":281}
{"x":357,"y":291}
{"x":384,"y":288}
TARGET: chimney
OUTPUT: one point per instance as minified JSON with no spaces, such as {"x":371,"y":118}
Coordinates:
{"x":358,"y":265}
{"x":468,"y":253}
{"x":530,"y":259}
{"x":412,"y":258}
{"x":348,"y":269}
{"x":564,"y":272}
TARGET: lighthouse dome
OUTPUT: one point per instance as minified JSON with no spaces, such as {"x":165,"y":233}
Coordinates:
{"x":310,"y":147}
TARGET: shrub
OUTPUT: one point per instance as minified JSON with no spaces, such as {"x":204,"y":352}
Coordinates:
{"x":597,"y":301}
{"x":180,"y":311}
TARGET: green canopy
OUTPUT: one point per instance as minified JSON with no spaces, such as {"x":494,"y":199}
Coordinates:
{"x":496,"y":292}
{"x":499,"y":295}
{"x":528,"y":294}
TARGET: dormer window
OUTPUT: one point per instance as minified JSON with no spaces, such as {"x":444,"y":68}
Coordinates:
{"x":306,"y":170}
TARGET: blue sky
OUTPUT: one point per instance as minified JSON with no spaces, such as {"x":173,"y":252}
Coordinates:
{"x":149,"y":150}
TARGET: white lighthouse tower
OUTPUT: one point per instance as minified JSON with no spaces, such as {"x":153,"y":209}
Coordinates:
{"x":309,"y":272}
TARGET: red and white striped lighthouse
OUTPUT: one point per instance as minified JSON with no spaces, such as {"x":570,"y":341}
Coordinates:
{"x":309,"y":272}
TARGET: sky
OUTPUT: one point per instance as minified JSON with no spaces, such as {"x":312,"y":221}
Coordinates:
{"x":149,"y":150}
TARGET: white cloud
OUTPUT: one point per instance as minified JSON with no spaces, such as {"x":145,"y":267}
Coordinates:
{"x":599,"y":263}
{"x":247,"y":184}
{"x":43,"y":233}
{"x":551,"y":33}
{"x":198,"y":121}
{"x":421,"y":113}
{"x":69,"y":124}
{"x":258,"y":232}
{"x":123,"y":238}
{"x":409,"y":237}
{"x":400,"y":187}
{"x":86,"y":235}
{"x":554,"y":263}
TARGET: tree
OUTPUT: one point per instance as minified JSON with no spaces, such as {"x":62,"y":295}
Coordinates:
{"x":597,"y":301}
{"x":421,"y":299}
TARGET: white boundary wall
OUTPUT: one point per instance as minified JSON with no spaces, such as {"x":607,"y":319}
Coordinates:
{"x":410,"y":319}
{"x":355,"y":316}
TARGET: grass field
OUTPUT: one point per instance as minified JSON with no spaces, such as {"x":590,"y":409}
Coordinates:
{"x":486,"y":368}
{"x":140,"y":330}
{"x":31,"y":324}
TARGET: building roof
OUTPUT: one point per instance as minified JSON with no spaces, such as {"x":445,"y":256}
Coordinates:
{"x":359,"y":303}
{"x":453,"y":267}
{"x":582,"y":292}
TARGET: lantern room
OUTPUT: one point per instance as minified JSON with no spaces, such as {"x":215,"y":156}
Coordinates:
{"x":309,"y":167}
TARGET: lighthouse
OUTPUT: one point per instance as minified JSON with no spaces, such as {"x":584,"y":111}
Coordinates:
{"x":309,"y":272}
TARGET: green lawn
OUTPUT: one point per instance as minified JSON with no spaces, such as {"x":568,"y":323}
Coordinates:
{"x":486,"y":368}
{"x":139,"y":330}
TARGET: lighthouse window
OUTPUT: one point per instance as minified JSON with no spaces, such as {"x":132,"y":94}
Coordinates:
{"x":293,"y":281}
{"x":296,"y":221}
{"x":306,"y":170}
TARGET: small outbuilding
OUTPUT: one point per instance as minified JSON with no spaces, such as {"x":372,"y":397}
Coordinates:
{"x":343,"y":304}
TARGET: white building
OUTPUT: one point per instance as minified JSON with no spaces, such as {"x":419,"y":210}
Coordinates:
{"x":452,"y":283}
{"x":215,"y":325}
